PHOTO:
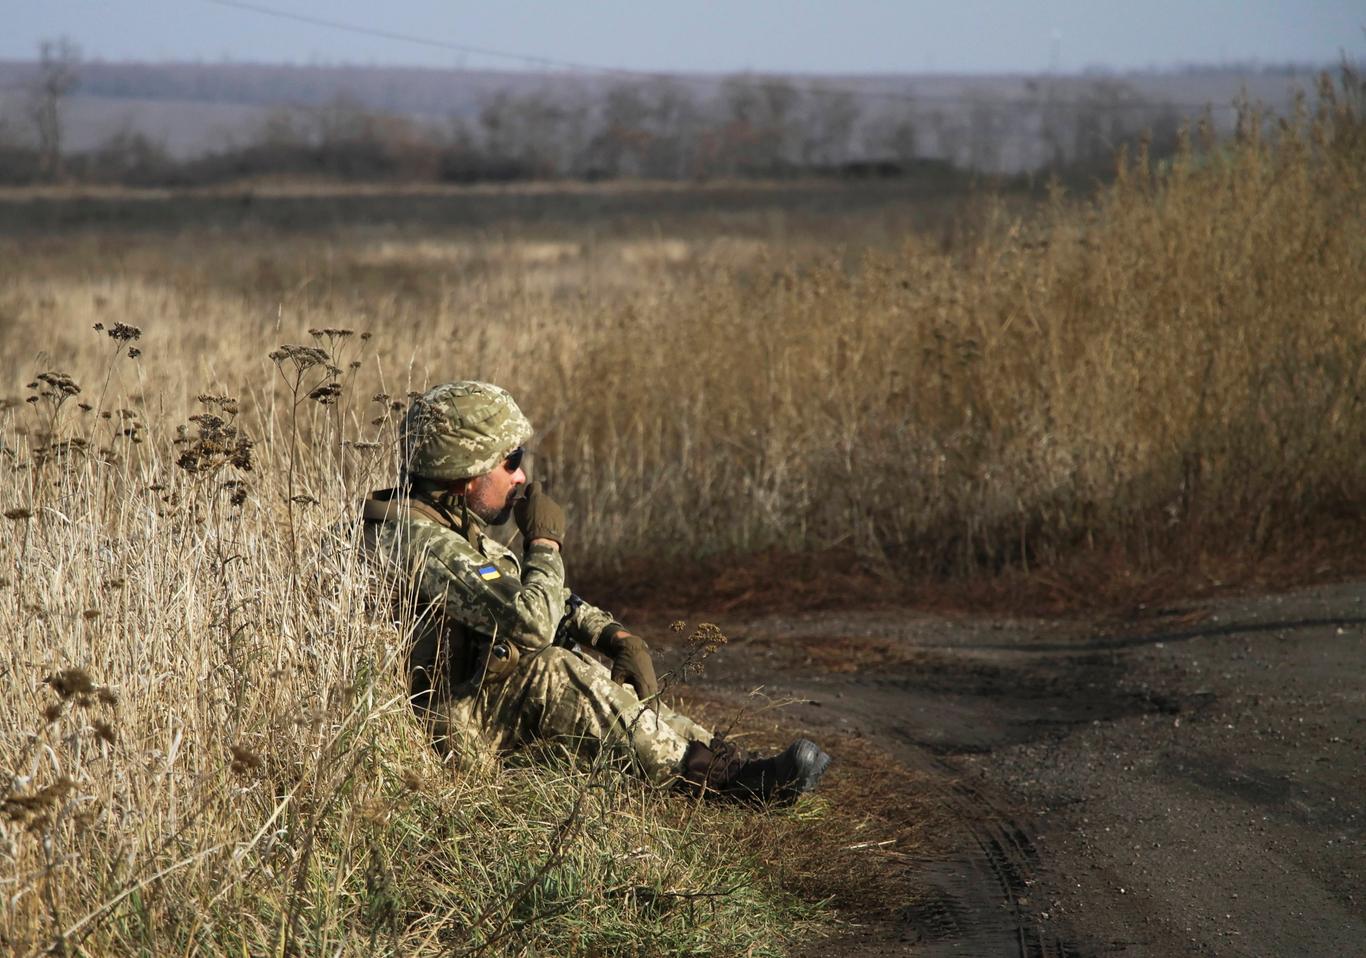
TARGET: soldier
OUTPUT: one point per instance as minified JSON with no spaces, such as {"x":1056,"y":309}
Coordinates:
{"x":495,"y":661}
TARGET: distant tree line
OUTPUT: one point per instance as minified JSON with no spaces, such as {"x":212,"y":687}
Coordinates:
{"x":654,"y":128}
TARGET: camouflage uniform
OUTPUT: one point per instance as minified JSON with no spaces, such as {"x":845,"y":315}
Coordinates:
{"x":486,"y":672}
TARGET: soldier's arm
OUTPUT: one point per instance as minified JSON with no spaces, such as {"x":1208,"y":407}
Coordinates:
{"x":587,"y":623}
{"x":478,"y":594}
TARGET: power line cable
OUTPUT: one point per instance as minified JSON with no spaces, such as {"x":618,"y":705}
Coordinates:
{"x":579,"y":67}
{"x":423,"y":41}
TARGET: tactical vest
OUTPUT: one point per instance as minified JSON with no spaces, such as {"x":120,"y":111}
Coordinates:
{"x":446,"y":660}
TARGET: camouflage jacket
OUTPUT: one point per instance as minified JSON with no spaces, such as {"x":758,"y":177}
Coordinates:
{"x":461,"y":590}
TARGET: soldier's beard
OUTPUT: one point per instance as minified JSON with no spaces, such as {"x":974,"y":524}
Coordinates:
{"x":491,"y":516}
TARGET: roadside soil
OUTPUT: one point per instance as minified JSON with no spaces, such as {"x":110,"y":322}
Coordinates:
{"x":1182,"y":780}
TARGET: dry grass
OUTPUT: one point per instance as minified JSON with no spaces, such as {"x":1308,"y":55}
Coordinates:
{"x":1172,"y":373}
{"x":209,"y":749}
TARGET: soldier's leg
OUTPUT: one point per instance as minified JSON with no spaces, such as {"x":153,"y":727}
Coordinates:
{"x":458,"y":736}
{"x":681,"y":724}
{"x":560,"y":696}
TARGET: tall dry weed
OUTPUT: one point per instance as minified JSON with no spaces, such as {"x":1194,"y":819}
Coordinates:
{"x":205,"y":731}
{"x":203,"y":727}
{"x":1174,"y":367}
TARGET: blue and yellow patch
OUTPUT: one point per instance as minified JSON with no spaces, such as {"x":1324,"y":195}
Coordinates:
{"x":489,"y":572}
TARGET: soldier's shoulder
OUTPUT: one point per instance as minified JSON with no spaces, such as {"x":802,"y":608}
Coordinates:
{"x":430,"y":535}
{"x":446,"y":545}
{"x":411,"y":531}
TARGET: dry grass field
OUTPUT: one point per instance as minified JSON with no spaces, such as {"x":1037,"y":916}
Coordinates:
{"x":204,"y":732}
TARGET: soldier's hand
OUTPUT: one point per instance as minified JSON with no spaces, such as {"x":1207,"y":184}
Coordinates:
{"x":539,"y":516}
{"x":631,"y":664}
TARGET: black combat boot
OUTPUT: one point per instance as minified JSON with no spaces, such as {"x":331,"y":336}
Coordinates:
{"x":726,"y":770}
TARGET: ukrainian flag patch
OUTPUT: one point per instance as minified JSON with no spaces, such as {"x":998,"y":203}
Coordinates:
{"x":489,"y":572}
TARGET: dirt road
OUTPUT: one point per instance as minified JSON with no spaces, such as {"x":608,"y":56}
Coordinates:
{"x":1186,"y":780}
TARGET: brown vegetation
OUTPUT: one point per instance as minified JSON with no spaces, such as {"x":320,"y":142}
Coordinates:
{"x":1170,"y":373}
{"x":205,"y":736}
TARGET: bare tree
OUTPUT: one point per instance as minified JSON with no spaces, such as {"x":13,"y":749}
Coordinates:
{"x":646,"y":130}
{"x":949,"y":137}
{"x":828,"y":127}
{"x":985,"y":133}
{"x":1111,"y":115}
{"x":893,"y":136}
{"x":541,"y":132}
{"x":619,"y":146}
{"x":757,"y":123}
{"x":58,"y":62}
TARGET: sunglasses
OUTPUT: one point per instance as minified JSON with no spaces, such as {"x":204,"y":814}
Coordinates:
{"x":513,"y":462}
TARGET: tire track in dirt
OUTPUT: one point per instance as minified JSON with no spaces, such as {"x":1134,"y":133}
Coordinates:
{"x":1197,"y":771}
{"x":975,"y":903}
{"x":973,"y":896}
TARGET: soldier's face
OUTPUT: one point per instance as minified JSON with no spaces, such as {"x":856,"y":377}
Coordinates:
{"x":490,"y":496}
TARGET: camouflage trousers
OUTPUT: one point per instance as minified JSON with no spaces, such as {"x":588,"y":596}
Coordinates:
{"x":563,"y":697}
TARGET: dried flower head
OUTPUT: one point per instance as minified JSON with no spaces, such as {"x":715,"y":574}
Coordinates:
{"x":55,"y":384}
{"x":70,"y":683}
{"x":705,"y":640}
{"x":707,"y":637}
{"x":236,"y":490}
{"x":227,"y":404}
{"x":326,"y":394}
{"x":217,"y":442}
{"x":34,"y":807}
{"x":243,"y":759}
{"x":76,"y":685}
{"x":301,"y":357}
{"x":124,"y":333}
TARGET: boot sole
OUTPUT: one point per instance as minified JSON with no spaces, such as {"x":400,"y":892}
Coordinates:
{"x":811,"y":761}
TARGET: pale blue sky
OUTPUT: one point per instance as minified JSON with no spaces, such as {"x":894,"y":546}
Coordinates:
{"x":813,"y":36}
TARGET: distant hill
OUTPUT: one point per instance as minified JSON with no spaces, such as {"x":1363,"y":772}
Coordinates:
{"x":986,"y":121}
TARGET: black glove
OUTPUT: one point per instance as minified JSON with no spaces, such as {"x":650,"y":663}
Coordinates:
{"x":631,"y":663}
{"x":538,"y":515}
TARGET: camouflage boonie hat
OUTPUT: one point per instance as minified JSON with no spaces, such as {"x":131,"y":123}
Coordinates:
{"x":460,"y":430}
